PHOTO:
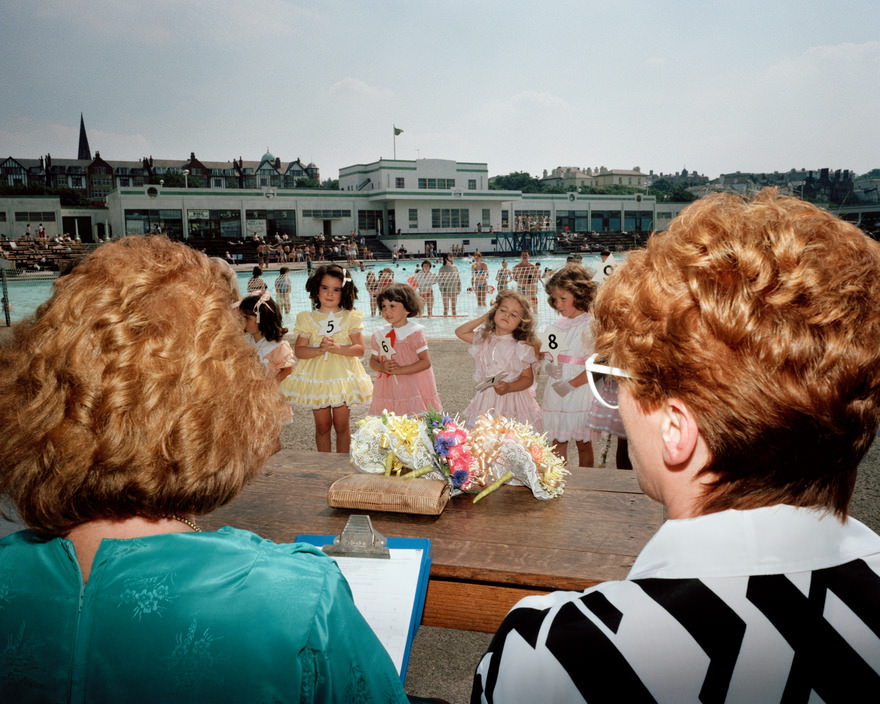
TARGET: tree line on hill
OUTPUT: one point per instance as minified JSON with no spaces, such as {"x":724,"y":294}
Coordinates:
{"x":662,"y":188}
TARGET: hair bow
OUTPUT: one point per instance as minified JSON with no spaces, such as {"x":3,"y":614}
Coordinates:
{"x":260,"y":301}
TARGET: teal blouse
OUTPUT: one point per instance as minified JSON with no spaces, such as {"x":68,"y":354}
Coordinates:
{"x":220,"y":616}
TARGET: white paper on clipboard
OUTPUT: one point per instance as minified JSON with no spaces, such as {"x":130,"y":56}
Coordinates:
{"x":384,"y":592}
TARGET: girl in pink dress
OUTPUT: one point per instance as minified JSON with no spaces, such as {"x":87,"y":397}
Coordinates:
{"x":506,"y":351}
{"x":405,"y":384}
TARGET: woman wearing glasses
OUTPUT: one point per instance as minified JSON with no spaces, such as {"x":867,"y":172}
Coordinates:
{"x":746,"y":343}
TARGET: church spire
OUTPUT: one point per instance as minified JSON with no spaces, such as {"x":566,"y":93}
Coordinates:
{"x":84,"y":151}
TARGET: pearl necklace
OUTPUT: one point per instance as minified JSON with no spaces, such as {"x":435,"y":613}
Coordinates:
{"x":185,"y":521}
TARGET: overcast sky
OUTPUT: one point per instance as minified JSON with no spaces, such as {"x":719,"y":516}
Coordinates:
{"x":523,"y":86}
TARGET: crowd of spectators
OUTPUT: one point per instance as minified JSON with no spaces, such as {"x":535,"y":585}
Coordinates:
{"x":38,"y":253}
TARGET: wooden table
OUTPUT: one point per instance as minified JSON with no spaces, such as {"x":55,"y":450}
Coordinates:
{"x":485,"y":556}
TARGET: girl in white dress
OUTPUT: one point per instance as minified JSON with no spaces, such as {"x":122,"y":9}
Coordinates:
{"x":569,"y":341}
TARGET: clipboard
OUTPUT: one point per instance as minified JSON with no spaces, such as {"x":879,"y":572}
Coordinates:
{"x":388,"y":578}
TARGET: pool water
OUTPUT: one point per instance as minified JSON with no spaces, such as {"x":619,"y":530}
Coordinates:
{"x":26,"y":296}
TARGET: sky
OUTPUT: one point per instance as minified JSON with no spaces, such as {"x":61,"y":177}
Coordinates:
{"x":712,"y":87}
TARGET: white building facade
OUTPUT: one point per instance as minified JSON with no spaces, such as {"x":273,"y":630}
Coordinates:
{"x":402,"y":202}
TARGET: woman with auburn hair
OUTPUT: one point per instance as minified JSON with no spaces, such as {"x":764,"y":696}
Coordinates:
{"x":746,"y":343}
{"x":749,"y":301}
{"x":122,"y":403}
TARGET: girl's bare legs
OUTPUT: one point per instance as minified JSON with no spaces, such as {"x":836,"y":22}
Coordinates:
{"x":560,"y":449}
{"x":585,"y":451}
{"x":342,"y":425}
{"x":327,"y":420}
{"x":445,"y":306}
{"x":585,"y":454}
{"x":623,"y":461}
{"x":323,"y":427}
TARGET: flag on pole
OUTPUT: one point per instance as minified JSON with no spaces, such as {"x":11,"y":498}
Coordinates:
{"x":397,"y":130}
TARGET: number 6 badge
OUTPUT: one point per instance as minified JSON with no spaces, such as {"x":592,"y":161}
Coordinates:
{"x":386,"y":346}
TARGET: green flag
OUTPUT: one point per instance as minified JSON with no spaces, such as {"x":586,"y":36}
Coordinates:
{"x":397,"y":131}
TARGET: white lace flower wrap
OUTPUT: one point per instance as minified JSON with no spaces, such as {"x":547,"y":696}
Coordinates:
{"x":375,"y":437}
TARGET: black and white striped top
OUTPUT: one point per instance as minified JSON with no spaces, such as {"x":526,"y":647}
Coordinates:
{"x":770,"y":605}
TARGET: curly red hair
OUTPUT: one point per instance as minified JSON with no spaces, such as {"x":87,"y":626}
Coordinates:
{"x":763,"y":316}
{"x":132,"y":392}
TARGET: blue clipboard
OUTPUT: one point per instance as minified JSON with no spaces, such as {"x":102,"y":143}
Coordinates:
{"x":422,"y":544}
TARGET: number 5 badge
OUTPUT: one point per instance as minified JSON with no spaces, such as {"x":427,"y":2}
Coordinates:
{"x":331,"y":327}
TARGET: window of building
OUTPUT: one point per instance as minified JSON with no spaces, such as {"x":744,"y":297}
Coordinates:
{"x":605,"y":220}
{"x":639,"y":221}
{"x":398,"y":182}
{"x":436,"y":183}
{"x":326,"y":214}
{"x":472,"y":184}
{"x":485,"y":219}
{"x":413,"y":218}
{"x":368,"y":220}
{"x":140,"y":222}
{"x":450,"y":217}
{"x":280,"y":221}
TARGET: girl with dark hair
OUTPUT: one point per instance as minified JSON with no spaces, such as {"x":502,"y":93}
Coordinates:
{"x":406,"y":382}
{"x":262,"y":323}
{"x":329,"y":343}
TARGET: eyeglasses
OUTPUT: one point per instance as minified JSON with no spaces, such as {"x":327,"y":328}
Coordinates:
{"x":592,"y":368}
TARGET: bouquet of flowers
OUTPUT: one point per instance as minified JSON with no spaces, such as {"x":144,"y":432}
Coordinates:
{"x":498,"y":450}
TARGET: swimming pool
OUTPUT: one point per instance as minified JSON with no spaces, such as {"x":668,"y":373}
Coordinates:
{"x":25,"y":296}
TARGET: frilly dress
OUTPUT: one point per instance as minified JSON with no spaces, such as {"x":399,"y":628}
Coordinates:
{"x":566,"y":417}
{"x":275,"y":355}
{"x":328,"y":379}
{"x":502,"y":353}
{"x":404,"y":394}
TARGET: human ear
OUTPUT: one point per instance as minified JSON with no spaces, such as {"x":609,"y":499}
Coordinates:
{"x":680,"y":433}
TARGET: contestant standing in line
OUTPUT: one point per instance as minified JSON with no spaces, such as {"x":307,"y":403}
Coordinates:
{"x":399,"y":352}
{"x":329,"y":377}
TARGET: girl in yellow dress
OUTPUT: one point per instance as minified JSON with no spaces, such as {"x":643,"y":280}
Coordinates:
{"x":329,"y":344}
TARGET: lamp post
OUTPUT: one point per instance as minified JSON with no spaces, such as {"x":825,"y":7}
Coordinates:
{"x":186,"y":178}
